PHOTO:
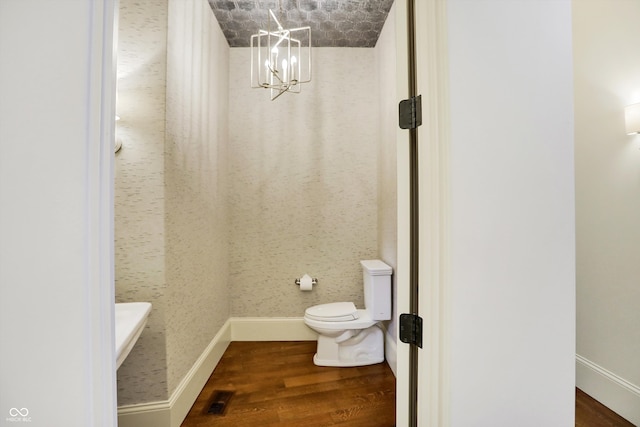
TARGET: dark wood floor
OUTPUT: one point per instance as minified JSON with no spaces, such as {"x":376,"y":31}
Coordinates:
{"x":591,"y":413}
{"x":276,"y":384}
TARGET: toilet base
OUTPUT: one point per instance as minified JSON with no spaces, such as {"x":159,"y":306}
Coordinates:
{"x":366,"y":347}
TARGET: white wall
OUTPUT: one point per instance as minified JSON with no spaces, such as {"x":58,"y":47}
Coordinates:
{"x":607,"y":78}
{"x":56,"y":284}
{"x":512,"y":223}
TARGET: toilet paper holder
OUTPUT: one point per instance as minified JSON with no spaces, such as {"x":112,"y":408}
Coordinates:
{"x":314,"y":281}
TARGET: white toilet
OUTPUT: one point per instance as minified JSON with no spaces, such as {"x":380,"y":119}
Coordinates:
{"x":349,"y":336}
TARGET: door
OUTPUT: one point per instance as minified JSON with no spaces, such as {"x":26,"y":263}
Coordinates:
{"x":496,"y":256}
{"x":422,"y":373}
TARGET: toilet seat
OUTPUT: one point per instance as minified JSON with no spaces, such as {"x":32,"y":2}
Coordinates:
{"x":363,"y":321}
{"x":332,"y":312}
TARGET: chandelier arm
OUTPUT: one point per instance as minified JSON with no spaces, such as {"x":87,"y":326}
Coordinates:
{"x":278,"y":95}
{"x":299,"y":28}
{"x":275,"y":74}
{"x":275,"y":19}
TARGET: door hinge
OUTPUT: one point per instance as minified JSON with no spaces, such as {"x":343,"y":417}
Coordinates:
{"x":410,"y":112}
{"x":411,"y":329}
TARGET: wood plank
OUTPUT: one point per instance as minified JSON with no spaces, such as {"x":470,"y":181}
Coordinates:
{"x":591,"y":413}
{"x":277,"y":384}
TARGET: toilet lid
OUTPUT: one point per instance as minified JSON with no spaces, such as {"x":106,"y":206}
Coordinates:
{"x":333,"y":312}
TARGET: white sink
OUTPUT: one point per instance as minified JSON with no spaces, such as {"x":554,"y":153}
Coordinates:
{"x":131,"y":317}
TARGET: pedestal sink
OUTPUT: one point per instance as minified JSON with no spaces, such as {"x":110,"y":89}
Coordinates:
{"x":131,"y":318}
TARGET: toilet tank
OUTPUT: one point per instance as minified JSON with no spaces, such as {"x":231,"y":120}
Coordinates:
{"x":377,"y":288}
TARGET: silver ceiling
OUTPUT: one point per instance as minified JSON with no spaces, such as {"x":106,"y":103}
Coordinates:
{"x":334,"y":23}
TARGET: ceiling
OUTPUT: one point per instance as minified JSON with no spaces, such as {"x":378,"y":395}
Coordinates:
{"x":334,"y":23}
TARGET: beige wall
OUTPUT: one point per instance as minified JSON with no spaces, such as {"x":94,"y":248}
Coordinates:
{"x":303,"y":186}
{"x":140,"y":272}
{"x":196,"y":220}
{"x":607,"y":78}
{"x":385,"y":52}
{"x":171,"y":190}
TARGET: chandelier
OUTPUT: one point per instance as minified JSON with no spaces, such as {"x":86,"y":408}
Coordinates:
{"x":280,"y":58}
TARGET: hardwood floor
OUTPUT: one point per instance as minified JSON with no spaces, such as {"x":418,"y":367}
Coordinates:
{"x":591,"y":413}
{"x":277,"y":384}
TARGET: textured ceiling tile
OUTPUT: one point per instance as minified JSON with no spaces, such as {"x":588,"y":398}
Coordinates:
{"x":334,"y":23}
{"x":309,"y":6}
{"x":318,"y":16}
{"x":225,"y":5}
{"x":338,"y":15}
{"x":247,"y":5}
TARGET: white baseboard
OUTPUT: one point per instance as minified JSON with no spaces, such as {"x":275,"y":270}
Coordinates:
{"x":171,"y":413}
{"x":615,"y":392}
{"x":391,"y":352}
{"x":271,"y":329}
{"x":156,"y":414}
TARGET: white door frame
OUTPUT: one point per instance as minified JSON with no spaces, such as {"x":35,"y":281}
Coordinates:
{"x":56,"y":258}
{"x":434,"y":206}
{"x":100,"y":206}
{"x":403,"y":232}
{"x":434,"y":302}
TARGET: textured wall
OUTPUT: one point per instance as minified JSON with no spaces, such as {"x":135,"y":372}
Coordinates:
{"x":171,"y":209}
{"x":387,"y":170}
{"x":302,"y":174}
{"x":139,"y":192}
{"x":196,"y":186}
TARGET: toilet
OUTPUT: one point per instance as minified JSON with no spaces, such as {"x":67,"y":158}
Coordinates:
{"x":348,"y":336}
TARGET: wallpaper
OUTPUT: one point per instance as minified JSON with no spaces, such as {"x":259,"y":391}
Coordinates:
{"x":387,"y":148}
{"x":139,"y":192}
{"x":171,"y":210}
{"x":196,"y":184}
{"x":303,"y":185}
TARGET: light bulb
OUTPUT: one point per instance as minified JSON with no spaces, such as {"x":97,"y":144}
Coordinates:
{"x":266,"y":72}
{"x":284,"y":70}
{"x":294,"y":61}
{"x":274,"y":59}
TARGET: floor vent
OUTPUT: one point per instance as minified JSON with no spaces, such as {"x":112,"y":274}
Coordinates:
{"x":219,"y":402}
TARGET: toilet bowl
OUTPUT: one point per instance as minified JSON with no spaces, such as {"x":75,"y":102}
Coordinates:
{"x":348,"y":336}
